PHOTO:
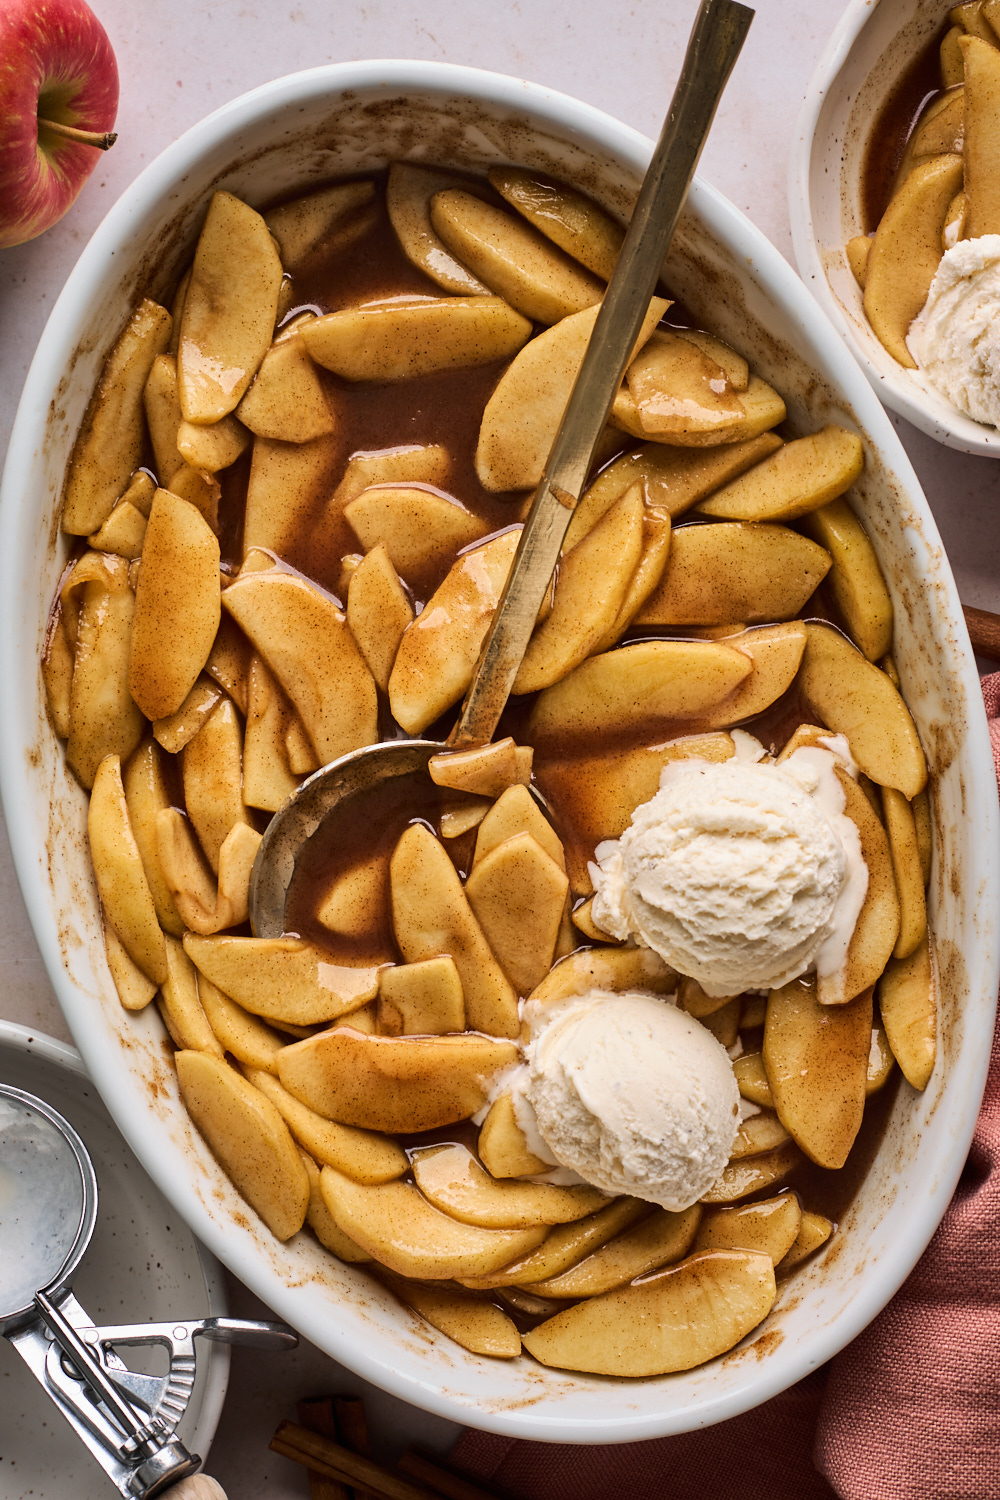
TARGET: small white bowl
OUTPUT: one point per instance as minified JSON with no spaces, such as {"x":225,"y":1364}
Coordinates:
{"x":141,"y":1267}
{"x":355,"y":117}
{"x":869,"y":52}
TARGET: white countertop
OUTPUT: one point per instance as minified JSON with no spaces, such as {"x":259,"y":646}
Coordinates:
{"x":179,"y":61}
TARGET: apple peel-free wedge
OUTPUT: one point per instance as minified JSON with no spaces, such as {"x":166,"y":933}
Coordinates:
{"x":286,"y":402}
{"x":135,"y":989}
{"x":741,"y":1179}
{"x":204,"y":906}
{"x":524,"y":411}
{"x":397,"y":340}
{"x":518,"y":893}
{"x":103,"y":716}
{"x":757,"y":1134}
{"x":229,"y":310}
{"x":438,"y":652}
{"x":418,"y":527}
{"x":776,"y":652}
{"x":591,"y":586}
{"x":877,"y":926}
{"x":427,"y":996}
{"x":328,"y":217}
{"x":362,"y":1155}
{"x":655,"y":683}
{"x":321,"y":1221}
{"x":502,"y":1146}
{"x":909,"y":1013}
{"x":452,"y":1179}
{"x":408,"y":194}
{"x":147,"y":795}
{"x":678,"y":389}
{"x":851,"y":696}
{"x":982,"y":113}
{"x":855,"y":580}
{"x":763,"y":409}
{"x":566,"y":1245}
{"x":656,"y":532}
{"x":569,"y":219}
{"x":751,"y":1080}
{"x":393,"y":1084}
{"x":473,"y":1322}
{"x":174,"y":731}
{"x":675,"y":479}
{"x":902,"y":833}
{"x":249,"y":1138}
{"x":514,"y":812}
{"x":614,"y":969}
{"x":431,"y":915}
{"x":800,"y":477}
{"x":181,"y":1006}
{"x":378,"y":612}
{"x":177,"y":606}
{"x":284,"y":481}
{"x":735,"y":570}
{"x":214,"y":447}
{"x":907,"y":251}
{"x":516,"y":262}
{"x":816,"y":1058}
{"x":672,"y":1320}
{"x":162,"y":407}
{"x":306,"y":642}
{"x":770,"y":1227}
{"x":658,"y":1240}
{"x":814,"y":1231}
{"x":212,"y":776}
{"x":282,"y":979}
{"x":485,"y":770}
{"x":121,"y":879}
{"x":108,"y":448}
{"x":399,"y":1228}
{"x":251,"y":1041}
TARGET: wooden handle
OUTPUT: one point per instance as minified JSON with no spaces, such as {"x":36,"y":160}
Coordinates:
{"x":984,"y":631}
{"x":197,"y":1487}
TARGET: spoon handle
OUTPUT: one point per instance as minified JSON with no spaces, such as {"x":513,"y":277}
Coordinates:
{"x":718,"y":35}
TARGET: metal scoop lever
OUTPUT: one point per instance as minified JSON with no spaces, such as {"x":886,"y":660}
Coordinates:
{"x":48,"y":1190}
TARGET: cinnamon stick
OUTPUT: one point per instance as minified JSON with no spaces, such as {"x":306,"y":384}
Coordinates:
{"x":352,"y":1430}
{"x":984,"y":631}
{"x":314,"y":1451}
{"x":453,"y":1486}
{"x":317,"y":1416}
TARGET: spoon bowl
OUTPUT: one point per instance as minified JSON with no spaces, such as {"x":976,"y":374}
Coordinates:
{"x":317,"y":799}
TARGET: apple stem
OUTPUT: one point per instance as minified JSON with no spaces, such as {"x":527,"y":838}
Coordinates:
{"x":103,"y":140}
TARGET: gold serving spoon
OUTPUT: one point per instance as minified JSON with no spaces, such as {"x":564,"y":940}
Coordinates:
{"x":716,"y":39}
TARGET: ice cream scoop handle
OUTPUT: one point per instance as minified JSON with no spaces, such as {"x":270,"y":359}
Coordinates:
{"x":719,"y":31}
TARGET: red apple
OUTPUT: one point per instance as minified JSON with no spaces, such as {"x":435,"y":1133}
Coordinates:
{"x":58,"y":100}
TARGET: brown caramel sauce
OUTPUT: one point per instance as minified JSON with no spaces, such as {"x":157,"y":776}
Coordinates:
{"x":892,"y":128}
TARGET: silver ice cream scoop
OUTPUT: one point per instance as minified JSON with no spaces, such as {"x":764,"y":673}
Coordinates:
{"x":48,"y":1210}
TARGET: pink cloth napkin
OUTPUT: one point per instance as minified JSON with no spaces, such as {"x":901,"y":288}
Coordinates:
{"x":909,"y":1411}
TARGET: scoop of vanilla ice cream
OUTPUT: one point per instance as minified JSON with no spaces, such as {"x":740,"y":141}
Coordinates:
{"x":955,"y":340}
{"x":741,"y":876}
{"x":633,"y":1094}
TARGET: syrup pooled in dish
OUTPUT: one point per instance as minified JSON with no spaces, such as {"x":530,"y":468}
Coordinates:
{"x":297,"y":496}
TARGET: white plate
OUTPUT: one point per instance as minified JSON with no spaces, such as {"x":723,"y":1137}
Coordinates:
{"x":143,"y":1266}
